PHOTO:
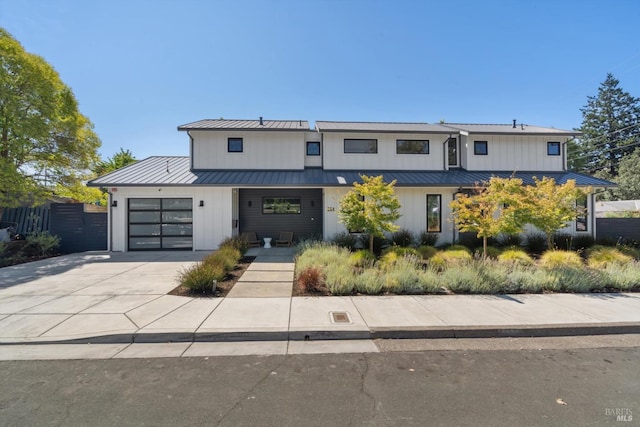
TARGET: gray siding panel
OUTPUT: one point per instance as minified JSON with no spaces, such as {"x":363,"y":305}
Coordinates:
{"x":303,"y":225}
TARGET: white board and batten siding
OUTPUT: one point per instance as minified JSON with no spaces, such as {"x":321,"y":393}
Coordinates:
{"x":386,"y":158}
{"x":261,"y":150}
{"x":211,"y":222}
{"x":414,"y":211}
{"x":512,"y":153}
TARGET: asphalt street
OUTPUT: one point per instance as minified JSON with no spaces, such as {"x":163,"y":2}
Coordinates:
{"x":561,"y":382}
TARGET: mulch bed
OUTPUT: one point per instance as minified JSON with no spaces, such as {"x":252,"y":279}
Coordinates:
{"x":223,"y":288}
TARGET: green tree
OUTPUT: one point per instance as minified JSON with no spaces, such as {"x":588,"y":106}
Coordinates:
{"x":498,"y":206}
{"x":553,"y":206}
{"x":119,"y":160}
{"x":371,"y":207}
{"x":610,"y":130}
{"x":44,"y":139}
{"x":629,"y":177}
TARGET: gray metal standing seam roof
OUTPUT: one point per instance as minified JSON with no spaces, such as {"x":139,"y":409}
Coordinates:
{"x":329,"y":126}
{"x":222,"y":124}
{"x":175,"y":171}
{"x":520,"y":129}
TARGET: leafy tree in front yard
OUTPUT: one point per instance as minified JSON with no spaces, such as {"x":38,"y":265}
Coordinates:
{"x":371,"y":207}
{"x":498,"y":206}
{"x":553,"y":206}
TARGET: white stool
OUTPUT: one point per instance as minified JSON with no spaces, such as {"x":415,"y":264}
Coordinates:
{"x":267,"y":242}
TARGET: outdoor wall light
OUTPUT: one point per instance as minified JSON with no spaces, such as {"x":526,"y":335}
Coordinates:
{"x":201,"y":203}
{"x":114,"y":204}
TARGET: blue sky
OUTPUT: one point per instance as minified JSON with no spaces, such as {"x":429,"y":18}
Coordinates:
{"x":140,"y":68}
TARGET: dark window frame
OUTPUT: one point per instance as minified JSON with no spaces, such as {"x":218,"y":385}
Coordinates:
{"x":429,"y":213}
{"x":299,"y":199}
{"x":235,"y":139}
{"x":344,"y":145}
{"x":313,"y":143}
{"x":425,"y":144}
{"x":454,"y":161}
{"x":162,"y":231}
{"x":554,"y":144}
{"x":477,"y":151}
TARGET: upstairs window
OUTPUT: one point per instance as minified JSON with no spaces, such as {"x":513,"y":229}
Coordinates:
{"x":313,"y":148}
{"x":234,"y":145}
{"x":412,"y":146}
{"x":361,"y":146}
{"x":452,"y":151}
{"x":480,"y":148}
{"x":553,"y":148}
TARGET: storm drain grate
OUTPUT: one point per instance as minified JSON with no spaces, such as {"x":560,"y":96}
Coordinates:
{"x":340,"y":317}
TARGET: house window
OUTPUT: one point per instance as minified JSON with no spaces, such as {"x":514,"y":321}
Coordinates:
{"x":367,"y":146}
{"x":313,"y":148}
{"x":412,"y":146}
{"x":234,"y":145}
{"x":452,"y":147}
{"x":480,"y":148}
{"x":434,"y":216}
{"x":273,"y":205}
{"x":581,"y":219}
{"x":553,"y":148}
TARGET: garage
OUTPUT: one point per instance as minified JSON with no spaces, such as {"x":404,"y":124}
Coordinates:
{"x":160,"y":224}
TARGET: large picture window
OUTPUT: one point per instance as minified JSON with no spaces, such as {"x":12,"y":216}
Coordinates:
{"x":412,"y":146}
{"x":272,"y":205}
{"x":434,"y":213}
{"x":366,"y":146}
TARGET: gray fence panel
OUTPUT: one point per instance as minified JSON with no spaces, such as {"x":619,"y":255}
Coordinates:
{"x":624,"y":229}
{"x":78,"y":231}
{"x":26,"y":220}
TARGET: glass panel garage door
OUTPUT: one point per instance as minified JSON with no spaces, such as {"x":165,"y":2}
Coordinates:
{"x":156,"y":224}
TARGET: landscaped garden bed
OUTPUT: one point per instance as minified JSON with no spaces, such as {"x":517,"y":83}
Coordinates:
{"x":330,"y":268}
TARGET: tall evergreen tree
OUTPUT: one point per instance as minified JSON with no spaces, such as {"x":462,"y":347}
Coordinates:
{"x":610,"y":128}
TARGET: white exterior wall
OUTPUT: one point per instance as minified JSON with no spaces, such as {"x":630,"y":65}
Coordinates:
{"x":386,"y":158}
{"x":261,"y":150}
{"x":512,"y":153}
{"x":313,"y":161}
{"x":211,"y":223}
{"x":414,"y":210}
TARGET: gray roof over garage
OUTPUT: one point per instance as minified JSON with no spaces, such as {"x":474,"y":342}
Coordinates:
{"x":175,"y":171}
{"x":224,"y":124}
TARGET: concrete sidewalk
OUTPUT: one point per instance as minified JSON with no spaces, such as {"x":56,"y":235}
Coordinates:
{"x":122,"y":298}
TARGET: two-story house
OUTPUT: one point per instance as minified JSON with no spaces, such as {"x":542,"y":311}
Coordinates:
{"x":269,"y":176}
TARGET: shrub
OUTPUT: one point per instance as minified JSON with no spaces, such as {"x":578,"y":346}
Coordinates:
{"x":558,"y":259}
{"x":427,"y":239}
{"x":322,"y":255}
{"x":535,"y":243}
{"x":311,"y":279}
{"x":601,"y":256}
{"x":582,"y":242}
{"x":235,"y":242}
{"x":362,"y":258}
{"x":515,"y":257}
{"x":469,"y":240}
{"x":625,"y":277}
{"x":42,"y":243}
{"x":200,"y":277}
{"x":370,"y":282}
{"x":403,"y":277}
{"x":426,"y":252}
{"x":563,"y":241}
{"x":606,"y":241}
{"x":227,"y":256}
{"x":444,"y":259}
{"x":430,"y":281}
{"x":461,"y":279}
{"x":528,"y":280}
{"x":506,"y":240}
{"x":340,"y":279}
{"x":492,"y":252}
{"x":379,"y":243}
{"x":629,"y":250}
{"x":346,"y":240}
{"x":402,"y":251}
{"x":459,"y":248}
{"x":402,"y":237}
{"x":575,"y":279}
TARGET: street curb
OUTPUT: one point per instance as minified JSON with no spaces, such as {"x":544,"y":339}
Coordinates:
{"x":515,"y":331}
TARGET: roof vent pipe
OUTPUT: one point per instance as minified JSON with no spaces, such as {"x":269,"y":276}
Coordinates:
{"x":261,"y":123}
{"x":514,"y":123}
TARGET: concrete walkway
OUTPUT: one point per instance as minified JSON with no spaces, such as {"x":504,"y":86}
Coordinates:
{"x":122,"y":298}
